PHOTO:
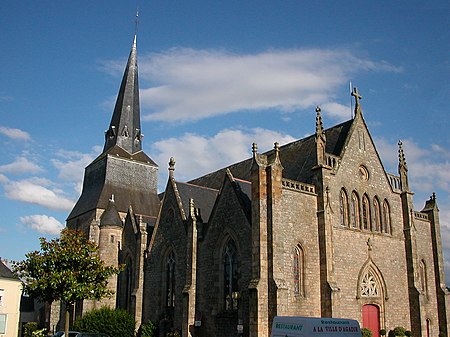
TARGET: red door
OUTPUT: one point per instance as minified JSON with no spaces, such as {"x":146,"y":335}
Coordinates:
{"x":371,"y":319}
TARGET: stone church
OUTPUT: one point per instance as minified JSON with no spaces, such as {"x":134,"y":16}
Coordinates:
{"x":315,"y":227}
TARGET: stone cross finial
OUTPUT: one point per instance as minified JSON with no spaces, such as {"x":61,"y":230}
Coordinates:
{"x":358,"y":97}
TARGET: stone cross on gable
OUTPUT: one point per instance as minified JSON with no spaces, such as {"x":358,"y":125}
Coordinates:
{"x":369,"y":244}
{"x":358,"y":97}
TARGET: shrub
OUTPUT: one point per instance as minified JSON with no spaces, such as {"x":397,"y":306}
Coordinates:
{"x":149,"y":329}
{"x":399,"y":331}
{"x":174,"y":333}
{"x":115,"y":323}
{"x":366,"y":332}
{"x":391,"y":333}
{"x":382,"y":332}
{"x":408,"y":333}
{"x":39,"y":333}
{"x":29,"y":328}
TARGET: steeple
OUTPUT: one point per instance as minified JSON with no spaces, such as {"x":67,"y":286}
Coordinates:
{"x":125,"y":127}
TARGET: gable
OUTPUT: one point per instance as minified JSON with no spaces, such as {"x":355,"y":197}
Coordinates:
{"x":360,"y":162}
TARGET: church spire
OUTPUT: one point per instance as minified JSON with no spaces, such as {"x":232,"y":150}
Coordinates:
{"x":125,"y":127}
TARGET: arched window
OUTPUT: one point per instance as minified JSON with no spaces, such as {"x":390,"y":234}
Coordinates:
{"x":423,"y":277}
{"x":376,"y":215}
{"x":366,"y":213}
{"x":343,"y":205}
{"x":170,"y":280}
{"x":354,"y":211}
{"x":230,"y":277}
{"x":299,"y":271}
{"x":386,"y":217}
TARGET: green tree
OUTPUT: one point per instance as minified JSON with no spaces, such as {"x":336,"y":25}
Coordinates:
{"x":67,"y":269}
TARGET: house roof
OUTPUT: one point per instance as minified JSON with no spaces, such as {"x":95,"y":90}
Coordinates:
{"x":5,"y":272}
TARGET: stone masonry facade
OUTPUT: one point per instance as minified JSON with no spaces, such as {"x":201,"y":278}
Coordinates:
{"x":312,"y":228}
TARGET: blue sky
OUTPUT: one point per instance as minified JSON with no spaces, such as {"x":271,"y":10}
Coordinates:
{"x":215,"y":76}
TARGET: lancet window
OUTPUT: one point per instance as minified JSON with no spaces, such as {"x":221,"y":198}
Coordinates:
{"x":354,"y":210}
{"x":423,"y":277}
{"x":170,"y":280}
{"x":366,"y":213}
{"x":376,"y":215}
{"x":343,"y":205}
{"x":386,"y":217}
{"x":299,"y":271}
{"x":230,"y":278}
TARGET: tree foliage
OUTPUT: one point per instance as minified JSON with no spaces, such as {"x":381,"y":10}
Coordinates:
{"x":67,"y":269}
{"x":115,"y":323}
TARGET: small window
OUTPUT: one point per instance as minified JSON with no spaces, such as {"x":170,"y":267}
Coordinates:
{"x":2,"y":324}
{"x":363,"y":173}
{"x":112,"y":239}
{"x":2,"y":294}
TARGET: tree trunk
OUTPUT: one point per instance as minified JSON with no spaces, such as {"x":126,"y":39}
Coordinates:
{"x":66,"y":324}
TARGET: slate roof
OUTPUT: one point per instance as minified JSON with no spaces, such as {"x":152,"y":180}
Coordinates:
{"x":96,"y":194}
{"x":125,"y":126}
{"x":110,"y":217}
{"x":5,"y":272}
{"x":204,"y":198}
{"x":297,"y":158}
{"x":116,"y":150}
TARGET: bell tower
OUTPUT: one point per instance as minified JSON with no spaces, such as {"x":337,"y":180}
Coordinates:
{"x":124,"y":171}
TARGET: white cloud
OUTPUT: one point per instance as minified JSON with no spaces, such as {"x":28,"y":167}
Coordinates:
{"x":196,"y":155}
{"x":21,"y":165}
{"x":338,"y":111}
{"x":72,"y":163}
{"x":34,"y":191}
{"x":188,"y":84}
{"x":3,"y":179}
{"x":42,"y":223}
{"x":14,"y":133}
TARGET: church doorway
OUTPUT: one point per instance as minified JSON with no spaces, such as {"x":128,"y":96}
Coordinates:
{"x":371,"y":318}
